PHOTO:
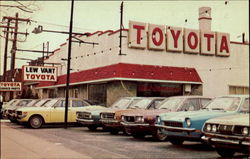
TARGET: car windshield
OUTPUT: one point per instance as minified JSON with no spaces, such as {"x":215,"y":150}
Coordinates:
{"x":245,"y":107}
{"x":50,"y":103}
{"x":224,"y":103}
{"x":121,"y":103}
{"x":170,"y":104}
{"x":142,"y":104}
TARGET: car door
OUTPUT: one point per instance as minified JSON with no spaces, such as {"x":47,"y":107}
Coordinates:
{"x":58,"y":111}
{"x":77,"y":105}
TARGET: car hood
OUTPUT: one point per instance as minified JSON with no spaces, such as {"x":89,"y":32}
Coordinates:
{"x":98,"y":111}
{"x":238,"y":119}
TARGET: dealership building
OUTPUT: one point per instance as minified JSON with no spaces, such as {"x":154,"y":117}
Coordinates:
{"x":151,"y":60}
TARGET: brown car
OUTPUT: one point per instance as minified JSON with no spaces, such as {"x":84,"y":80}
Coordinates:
{"x":140,"y":123}
{"x":112,"y":119}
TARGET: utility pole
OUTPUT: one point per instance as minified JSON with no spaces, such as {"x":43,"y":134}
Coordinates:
{"x":121,"y":27}
{"x":14,"y":45}
{"x":5,"y":51}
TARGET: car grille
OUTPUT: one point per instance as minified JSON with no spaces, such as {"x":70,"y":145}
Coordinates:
{"x":108,"y":115}
{"x":238,"y":130}
{"x":10,"y":111}
{"x":173,"y":124}
{"x":225,"y":129}
{"x":129,"y":118}
{"x":84,"y":115}
{"x":19,"y":112}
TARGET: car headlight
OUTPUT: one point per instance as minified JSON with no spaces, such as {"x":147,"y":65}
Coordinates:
{"x":208,"y":128}
{"x":139,"y":119}
{"x":245,"y":131}
{"x":188,"y":122}
{"x":101,"y":115}
{"x":158,"y":119}
{"x":122,"y":118}
{"x":214,"y":128}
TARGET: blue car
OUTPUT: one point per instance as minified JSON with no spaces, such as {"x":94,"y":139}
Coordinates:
{"x":181,"y":126}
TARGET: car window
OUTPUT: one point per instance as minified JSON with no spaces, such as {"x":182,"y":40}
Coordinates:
{"x":190,"y":104}
{"x":224,"y":103}
{"x":204,"y":102}
{"x":24,"y":102}
{"x":170,"y":103}
{"x":245,"y":106}
{"x":50,"y":103}
{"x":121,"y":103}
{"x":155,"y":103}
{"x":60,"y":103}
{"x":140,"y":103}
{"x":78,"y":103}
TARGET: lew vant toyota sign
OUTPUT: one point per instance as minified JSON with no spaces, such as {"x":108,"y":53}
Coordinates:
{"x":39,"y":73}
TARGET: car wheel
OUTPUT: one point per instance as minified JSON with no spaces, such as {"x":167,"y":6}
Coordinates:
{"x":175,"y":141}
{"x":114,"y":131}
{"x":13,"y":120}
{"x":36,"y":122}
{"x":225,"y":152}
{"x":138,"y":135}
{"x":127,"y":131}
{"x":92,"y":128}
{"x":159,"y":136}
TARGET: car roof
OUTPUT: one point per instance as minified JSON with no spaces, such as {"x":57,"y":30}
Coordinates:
{"x":191,"y":96}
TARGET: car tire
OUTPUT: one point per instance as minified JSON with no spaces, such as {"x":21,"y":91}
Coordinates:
{"x":159,"y":136}
{"x":92,"y":128}
{"x":36,"y":122}
{"x":225,"y":152}
{"x":138,"y":135}
{"x":127,"y":131}
{"x":175,"y":141}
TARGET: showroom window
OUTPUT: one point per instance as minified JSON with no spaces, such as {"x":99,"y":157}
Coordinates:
{"x":238,"y":90}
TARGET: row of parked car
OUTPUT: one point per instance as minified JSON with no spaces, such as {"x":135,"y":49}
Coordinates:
{"x":222,"y":122}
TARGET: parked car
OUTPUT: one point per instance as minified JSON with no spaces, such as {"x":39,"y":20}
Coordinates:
{"x":142,"y":122}
{"x":181,"y":126}
{"x":10,"y":110}
{"x":229,"y":134}
{"x":91,"y":117}
{"x":111,"y":119}
{"x":6,"y":105}
{"x":51,"y":112}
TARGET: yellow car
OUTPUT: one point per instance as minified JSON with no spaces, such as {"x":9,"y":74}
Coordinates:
{"x":52,"y":111}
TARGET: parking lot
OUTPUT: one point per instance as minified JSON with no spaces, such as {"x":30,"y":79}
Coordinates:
{"x":78,"y":142}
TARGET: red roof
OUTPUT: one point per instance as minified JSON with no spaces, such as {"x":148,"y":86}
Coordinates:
{"x":130,"y":72}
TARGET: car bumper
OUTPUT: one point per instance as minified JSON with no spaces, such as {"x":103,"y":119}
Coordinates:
{"x":88,"y":122}
{"x":145,"y":128}
{"x":227,"y":141}
{"x":184,"y":133}
{"x":111,"y":123}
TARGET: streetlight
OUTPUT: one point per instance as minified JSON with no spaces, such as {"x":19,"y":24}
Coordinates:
{"x":39,"y":29}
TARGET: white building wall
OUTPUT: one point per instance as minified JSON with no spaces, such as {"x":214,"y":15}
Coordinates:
{"x":214,"y":71}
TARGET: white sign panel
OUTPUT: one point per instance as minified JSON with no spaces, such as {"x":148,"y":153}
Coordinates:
{"x":137,"y":37}
{"x":207,"y":43}
{"x":191,"y":41}
{"x":10,"y":86}
{"x":39,"y":73}
{"x":174,"y":39}
{"x":223,"y":44}
{"x":156,"y":34}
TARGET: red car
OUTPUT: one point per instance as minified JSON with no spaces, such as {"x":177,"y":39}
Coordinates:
{"x":142,"y":122}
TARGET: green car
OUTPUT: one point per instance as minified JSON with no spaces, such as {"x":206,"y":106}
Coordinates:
{"x":91,"y":116}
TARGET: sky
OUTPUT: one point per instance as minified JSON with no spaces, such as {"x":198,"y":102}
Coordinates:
{"x":231,"y":16}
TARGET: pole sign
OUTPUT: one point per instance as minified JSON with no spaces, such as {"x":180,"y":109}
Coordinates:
{"x":10,"y":86}
{"x":176,"y":39}
{"x":39,"y":73}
